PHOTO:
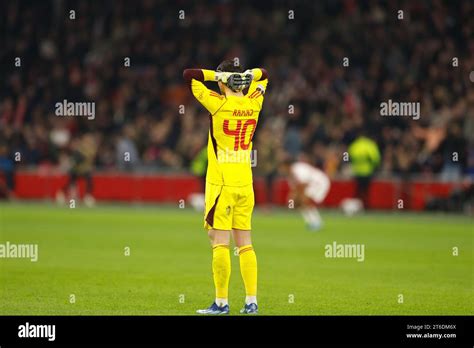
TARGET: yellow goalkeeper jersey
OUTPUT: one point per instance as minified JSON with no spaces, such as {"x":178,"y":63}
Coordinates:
{"x":233,"y":121}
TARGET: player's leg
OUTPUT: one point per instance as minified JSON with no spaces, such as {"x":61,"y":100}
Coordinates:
{"x":243,"y":240}
{"x":219,"y":224}
{"x":221,"y":268}
{"x":67,"y":189}
{"x":315,"y":193}
{"x":304,"y":205}
{"x":248,"y":268}
{"x":310,"y":214}
{"x":362,"y":189}
{"x":89,"y":199}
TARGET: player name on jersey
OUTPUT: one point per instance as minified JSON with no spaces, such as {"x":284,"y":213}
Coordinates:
{"x":242,"y":112}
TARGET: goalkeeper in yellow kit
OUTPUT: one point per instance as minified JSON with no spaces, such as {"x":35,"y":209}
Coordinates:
{"x":229,"y":191}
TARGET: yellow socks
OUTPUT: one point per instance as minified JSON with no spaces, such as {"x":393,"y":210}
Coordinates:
{"x":248,"y":269}
{"x":221,"y":271}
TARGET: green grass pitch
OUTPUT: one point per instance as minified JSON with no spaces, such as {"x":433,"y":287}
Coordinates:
{"x":168,"y":272}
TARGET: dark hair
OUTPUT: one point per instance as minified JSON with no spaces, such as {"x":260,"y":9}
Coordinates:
{"x":230,"y":65}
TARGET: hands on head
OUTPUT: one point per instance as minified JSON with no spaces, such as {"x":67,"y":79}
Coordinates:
{"x":235,"y":81}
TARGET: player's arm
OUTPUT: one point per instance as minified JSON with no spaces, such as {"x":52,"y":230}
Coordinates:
{"x":200,"y":75}
{"x":258,"y":74}
{"x":259,"y":84}
{"x":211,"y":100}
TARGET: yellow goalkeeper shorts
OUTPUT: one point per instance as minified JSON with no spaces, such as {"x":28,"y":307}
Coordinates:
{"x":229,"y":207}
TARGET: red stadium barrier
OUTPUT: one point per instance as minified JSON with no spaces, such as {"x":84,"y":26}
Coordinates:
{"x":383,"y":194}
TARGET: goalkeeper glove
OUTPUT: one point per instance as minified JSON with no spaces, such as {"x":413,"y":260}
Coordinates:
{"x":235,"y":81}
{"x":239,"y":81}
{"x":249,"y":73}
{"x":222,"y":76}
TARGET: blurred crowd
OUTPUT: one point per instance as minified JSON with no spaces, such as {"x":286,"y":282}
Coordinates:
{"x":128,"y":58}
